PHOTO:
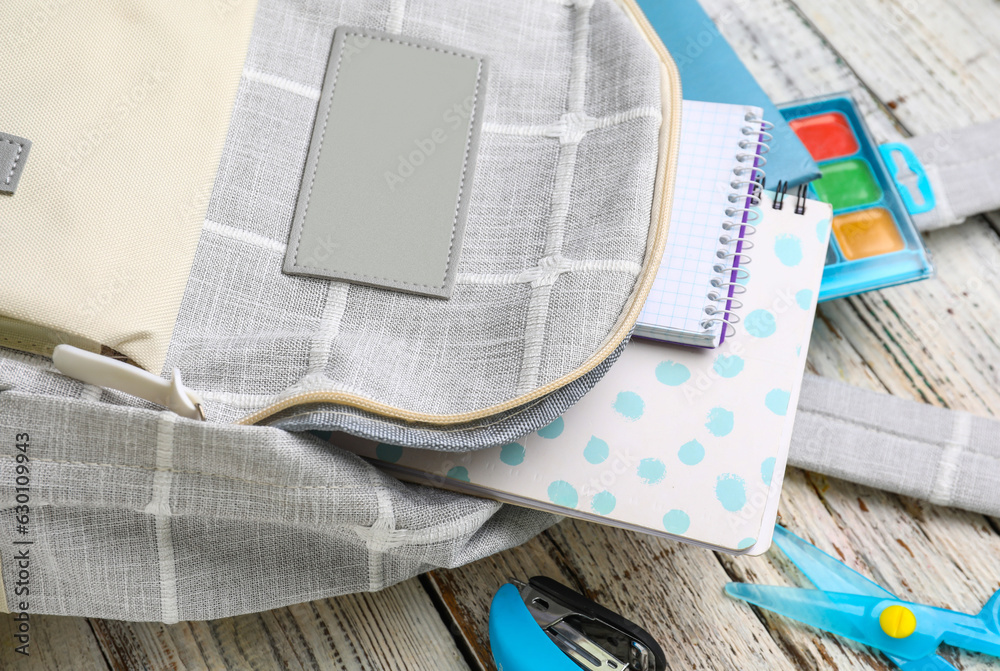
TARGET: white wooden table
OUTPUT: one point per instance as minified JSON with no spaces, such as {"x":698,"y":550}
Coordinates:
{"x":914,"y":66}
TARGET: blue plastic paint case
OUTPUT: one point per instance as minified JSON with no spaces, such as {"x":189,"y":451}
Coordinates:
{"x":873,"y":244}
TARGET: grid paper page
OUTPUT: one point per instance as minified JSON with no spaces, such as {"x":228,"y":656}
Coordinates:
{"x":710,"y":136}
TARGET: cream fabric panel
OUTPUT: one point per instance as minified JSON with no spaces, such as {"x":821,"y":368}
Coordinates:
{"x":127,"y":104}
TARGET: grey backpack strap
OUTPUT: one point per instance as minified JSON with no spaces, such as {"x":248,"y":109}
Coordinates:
{"x":948,"y":457}
{"x":961,"y":168}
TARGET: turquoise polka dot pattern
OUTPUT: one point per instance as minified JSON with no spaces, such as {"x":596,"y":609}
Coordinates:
{"x":788,"y":249}
{"x":823,"y":230}
{"x":731,"y":492}
{"x":389,"y":453}
{"x":720,"y":422}
{"x":512,"y":454}
{"x":767,"y":470}
{"x":678,"y":440}
{"x":629,"y":405}
{"x":804,"y":298}
{"x":651,"y":470}
{"x":563,"y":494}
{"x":676,"y":522}
{"x":596,"y":451}
{"x":672,"y":373}
{"x":691,"y":453}
{"x":761,"y":323}
{"x":777,"y":401}
{"x":728,"y":365}
{"x":603,"y":503}
{"x":459,"y":473}
{"x":553,"y":430}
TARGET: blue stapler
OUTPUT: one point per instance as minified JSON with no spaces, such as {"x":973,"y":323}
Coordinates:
{"x":850,"y":605}
{"x":545,"y":625}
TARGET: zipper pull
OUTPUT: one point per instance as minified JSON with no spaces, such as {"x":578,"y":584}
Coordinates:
{"x":106,"y":372}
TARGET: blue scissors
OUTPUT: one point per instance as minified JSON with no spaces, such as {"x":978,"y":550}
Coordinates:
{"x":850,"y":605}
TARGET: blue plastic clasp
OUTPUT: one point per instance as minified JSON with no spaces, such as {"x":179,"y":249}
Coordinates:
{"x":914,"y":164}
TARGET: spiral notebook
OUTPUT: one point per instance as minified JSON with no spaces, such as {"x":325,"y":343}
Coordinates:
{"x":692,"y":301}
{"x":683,"y":442}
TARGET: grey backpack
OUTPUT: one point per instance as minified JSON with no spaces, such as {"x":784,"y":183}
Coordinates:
{"x":173,"y":217}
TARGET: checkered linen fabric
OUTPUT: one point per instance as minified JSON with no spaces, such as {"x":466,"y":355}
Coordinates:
{"x":557,"y":230}
{"x":141,"y":515}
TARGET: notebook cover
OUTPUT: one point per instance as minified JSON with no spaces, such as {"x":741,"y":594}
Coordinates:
{"x":711,"y":71}
{"x":679,"y":442}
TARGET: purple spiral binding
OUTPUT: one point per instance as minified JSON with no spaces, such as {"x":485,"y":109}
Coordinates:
{"x":734,"y":262}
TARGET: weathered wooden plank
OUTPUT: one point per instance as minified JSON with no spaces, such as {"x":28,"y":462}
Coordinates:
{"x":55,"y":643}
{"x":938,"y":62}
{"x":934,"y":341}
{"x":398,"y":628}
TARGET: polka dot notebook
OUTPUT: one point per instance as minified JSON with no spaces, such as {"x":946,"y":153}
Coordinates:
{"x":683,"y":442}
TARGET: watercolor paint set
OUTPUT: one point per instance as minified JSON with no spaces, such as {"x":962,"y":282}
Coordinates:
{"x":874,"y":243}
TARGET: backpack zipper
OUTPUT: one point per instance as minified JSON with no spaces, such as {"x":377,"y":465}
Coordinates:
{"x":103,"y":371}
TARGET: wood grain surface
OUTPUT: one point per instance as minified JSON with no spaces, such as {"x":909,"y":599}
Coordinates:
{"x":396,"y":629}
{"x":913,"y":66}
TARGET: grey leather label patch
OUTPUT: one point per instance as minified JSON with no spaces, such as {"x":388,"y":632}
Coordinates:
{"x":13,"y":156}
{"x":387,"y":178}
